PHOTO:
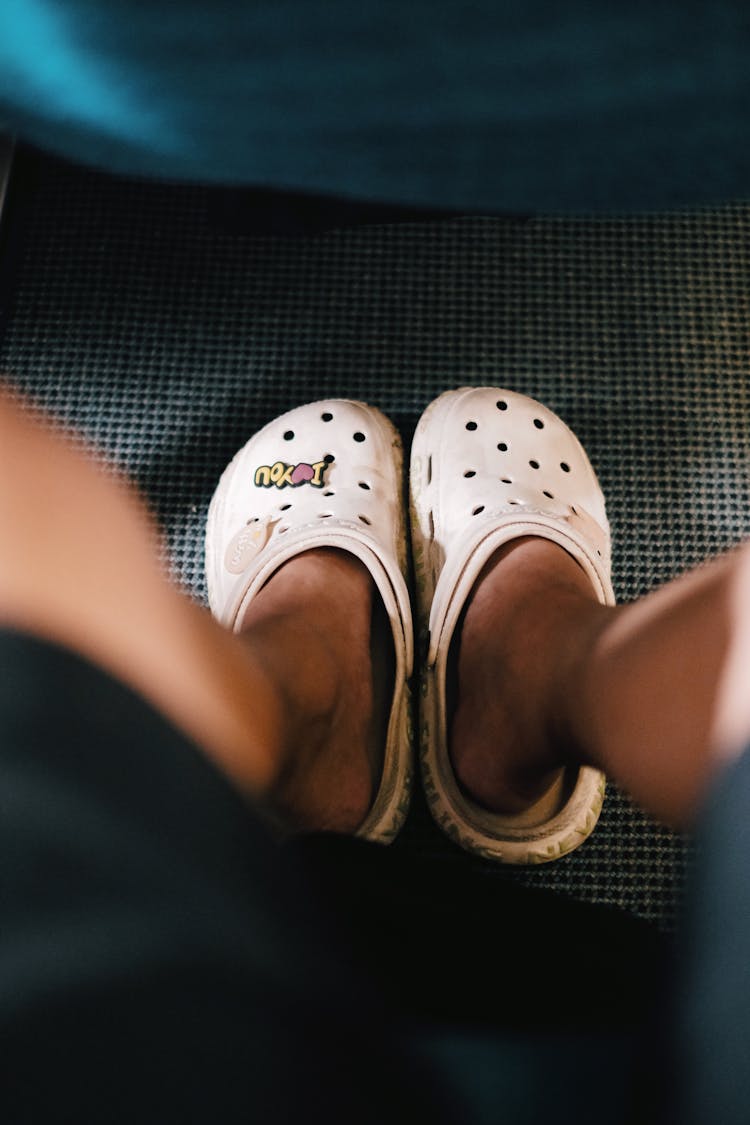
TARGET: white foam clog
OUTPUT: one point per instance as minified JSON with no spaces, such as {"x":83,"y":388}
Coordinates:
{"x":327,"y":474}
{"x":487,"y":466}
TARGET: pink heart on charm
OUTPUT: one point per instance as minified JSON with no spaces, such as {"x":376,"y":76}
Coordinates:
{"x":301,"y":473}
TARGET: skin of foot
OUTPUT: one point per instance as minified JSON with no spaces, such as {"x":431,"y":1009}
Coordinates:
{"x":530,"y":614}
{"x":312,"y":628}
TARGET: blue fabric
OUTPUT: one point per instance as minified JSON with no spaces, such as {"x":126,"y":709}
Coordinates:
{"x":475,"y":105}
{"x":714,"y":1018}
{"x":161,"y":960}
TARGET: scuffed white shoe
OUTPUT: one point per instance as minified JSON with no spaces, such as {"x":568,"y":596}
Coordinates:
{"x":327,"y":474}
{"x":487,"y":466}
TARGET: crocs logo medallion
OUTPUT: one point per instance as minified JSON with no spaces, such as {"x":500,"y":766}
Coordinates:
{"x":245,"y":545}
{"x":281,"y":474}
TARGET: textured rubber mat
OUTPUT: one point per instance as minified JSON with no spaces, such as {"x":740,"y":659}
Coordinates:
{"x":161,"y":323}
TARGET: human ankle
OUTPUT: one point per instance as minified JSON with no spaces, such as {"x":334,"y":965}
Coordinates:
{"x":307,"y":617}
{"x":523,"y":644}
{"x":311,"y":626}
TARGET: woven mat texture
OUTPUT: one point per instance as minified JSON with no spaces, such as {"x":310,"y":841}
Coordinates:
{"x":168,"y":331}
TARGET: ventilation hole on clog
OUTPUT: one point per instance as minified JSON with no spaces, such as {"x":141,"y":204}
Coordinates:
{"x":288,"y":435}
{"x":364,"y":520}
{"x":324,"y":515}
{"x":565,"y":466}
{"x":281,"y":530}
{"x":539,"y":423}
{"x":470,"y":473}
{"x":327,"y":417}
{"x":502,"y":404}
{"x":514,"y":501}
{"x":471,"y":425}
{"x":598,"y":552}
{"x":329,"y":458}
{"x":478,"y":510}
{"x":502,"y":446}
{"x":573,"y":509}
{"x":285,"y":507}
{"x":359,"y":436}
{"x":534,"y":464}
{"x":365,"y":485}
{"x":429,"y":468}
{"x":253,"y":519}
{"x":506,"y":480}
{"x":330,"y":492}
{"x":432,"y":525}
{"x":548,"y":494}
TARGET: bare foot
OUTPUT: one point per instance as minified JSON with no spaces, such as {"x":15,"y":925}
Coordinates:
{"x":317,"y":625}
{"x":530,"y":620}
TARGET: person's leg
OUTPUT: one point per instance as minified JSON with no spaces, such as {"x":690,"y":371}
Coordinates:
{"x":161,"y":958}
{"x":650,"y":692}
{"x":277,"y":709}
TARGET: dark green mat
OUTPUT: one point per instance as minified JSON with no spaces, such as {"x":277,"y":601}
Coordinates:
{"x":156,"y":319}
